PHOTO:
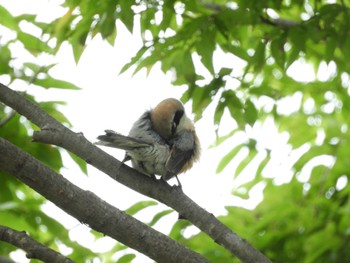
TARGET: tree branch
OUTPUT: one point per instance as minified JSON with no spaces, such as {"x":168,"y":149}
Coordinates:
{"x":90,"y":209}
{"x":5,"y":260}
{"x":55,"y":133}
{"x":279,"y":22}
{"x":33,"y":248}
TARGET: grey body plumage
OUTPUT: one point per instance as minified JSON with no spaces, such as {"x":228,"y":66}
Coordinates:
{"x":161,"y":142}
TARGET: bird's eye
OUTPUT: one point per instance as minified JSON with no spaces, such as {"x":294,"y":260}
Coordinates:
{"x":177,"y":117}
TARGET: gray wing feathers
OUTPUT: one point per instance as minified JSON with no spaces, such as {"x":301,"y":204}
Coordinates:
{"x":177,"y":160}
{"x":182,"y":152}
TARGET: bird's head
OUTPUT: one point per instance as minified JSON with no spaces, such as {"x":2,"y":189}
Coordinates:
{"x":169,"y":118}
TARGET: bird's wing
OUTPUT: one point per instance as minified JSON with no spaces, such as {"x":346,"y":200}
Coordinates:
{"x":116,"y":140}
{"x":181,"y":154}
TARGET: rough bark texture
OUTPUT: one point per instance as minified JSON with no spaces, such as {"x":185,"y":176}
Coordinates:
{"x":33,"y":248}
{"x":90,"y":209}
{"x":53,"y":132}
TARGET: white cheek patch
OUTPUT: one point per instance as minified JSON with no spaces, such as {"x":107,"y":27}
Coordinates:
{"x":185,"y":124}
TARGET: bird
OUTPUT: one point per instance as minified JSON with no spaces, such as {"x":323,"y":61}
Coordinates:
{"x":162,"y":141}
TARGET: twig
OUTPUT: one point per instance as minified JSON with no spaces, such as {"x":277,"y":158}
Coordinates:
{"x":33,"y":248}
{"x":279,"y":22}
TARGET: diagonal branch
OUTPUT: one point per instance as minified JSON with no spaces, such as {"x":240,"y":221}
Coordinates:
{"x":53,"y":132}
{"x":90,"y":209}
{"x":33,"y":248}
{"x":279,"y":22}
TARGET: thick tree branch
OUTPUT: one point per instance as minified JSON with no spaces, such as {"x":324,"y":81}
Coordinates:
{"x":55,"y":133}
{"x":90,"y":209}
{"x":33,"y":248}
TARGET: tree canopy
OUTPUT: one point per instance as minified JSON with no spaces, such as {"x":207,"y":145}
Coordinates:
{"x":306,"y":217}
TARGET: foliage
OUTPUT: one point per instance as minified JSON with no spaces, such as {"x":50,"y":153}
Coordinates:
{"x":270,"y":39}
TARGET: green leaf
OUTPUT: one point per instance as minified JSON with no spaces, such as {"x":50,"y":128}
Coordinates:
{"x":5,"y":58}
{"x":219,"y":111}
{"x":237,"y":51}
{"x":126,"y":14}
{"x":49,"y":155}
{"x":224,"y":72}
{"x":277,"y":51}
{"x":244,"y":163}
{"x":51,"y":108}
{"x":297,"y":37}
{"x":293,"y":55}
{"x":146,"y":63}
{"x":316,"y":245}
{"x":81,"y":163}
{"x":126,"y":258}
{"x":231,"y":100}
{"x":263,"y":164}
{"x":331,"y":45}
{"x":250,"y":112}
{"x":202,"y":96}
{"x":258,"y":59}
{"x":235,"y":106}
{"x":112,"y":37}
{"x":205,"y":48}
{"x":187,"y":32}
{"x":7,"y":20}
{"x":168,"y":14}
{"x":139,"y":206}
{"x":38,"y":68}
{"x":50,"y":82}
{"x":135,"y":60}
{"x":329,"y":12}
{"x":228,"y":158}
{"x":159,"y":216}
{"x":33,"y":44}
{"x":28,"y":17}
{"x":221,"y":139}
{"x":147,"y":22}
{"x":184,"y":67}
{"x":107,"y":24}
{"x":178,"y":229}
{"x":77,"y":48}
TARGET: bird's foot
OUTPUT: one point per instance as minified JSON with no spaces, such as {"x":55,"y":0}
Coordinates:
{"x":179,"y":185}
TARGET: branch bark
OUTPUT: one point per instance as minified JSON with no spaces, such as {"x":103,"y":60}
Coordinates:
{"x":53,"y":132}
{"x":279,"y":22}
{"x":33,"y":248}
{"x":5,"y":260}
{"x":90,"y":209}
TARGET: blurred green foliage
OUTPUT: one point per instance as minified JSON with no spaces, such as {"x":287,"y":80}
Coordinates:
{"x":306,"y":219}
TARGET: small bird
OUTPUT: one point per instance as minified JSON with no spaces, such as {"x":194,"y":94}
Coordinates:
{"x":162,"y":141}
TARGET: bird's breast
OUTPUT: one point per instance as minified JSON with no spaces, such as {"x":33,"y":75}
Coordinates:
{"x":151,"y":160}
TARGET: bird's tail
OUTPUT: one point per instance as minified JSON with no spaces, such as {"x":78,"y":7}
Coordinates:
{"x":116,"y":140}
